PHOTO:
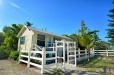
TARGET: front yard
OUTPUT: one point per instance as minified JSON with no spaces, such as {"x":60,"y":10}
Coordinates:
{"x":98,"y":64}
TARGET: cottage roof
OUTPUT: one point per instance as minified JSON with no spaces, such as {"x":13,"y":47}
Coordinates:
{"x":41,"y":31}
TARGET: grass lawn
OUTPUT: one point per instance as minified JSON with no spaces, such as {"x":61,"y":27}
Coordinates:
{"x":97,"y":62}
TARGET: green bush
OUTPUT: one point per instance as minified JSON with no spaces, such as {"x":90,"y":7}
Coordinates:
{"x":14,"y":55}
{"x":3,"y":54}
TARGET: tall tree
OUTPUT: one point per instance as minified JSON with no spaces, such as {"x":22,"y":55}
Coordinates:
{"x":110,"y":33}
{"x":11,"y":41}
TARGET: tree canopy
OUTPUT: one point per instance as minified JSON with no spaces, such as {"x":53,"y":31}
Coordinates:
{"x":10,"y":32}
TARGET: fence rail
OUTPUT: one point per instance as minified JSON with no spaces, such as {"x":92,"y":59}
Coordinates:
{"x":104,"y":52}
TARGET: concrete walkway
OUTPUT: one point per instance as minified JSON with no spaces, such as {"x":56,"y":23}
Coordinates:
{"x":72,"y":70}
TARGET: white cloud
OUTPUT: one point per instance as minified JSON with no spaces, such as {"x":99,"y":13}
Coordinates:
{"x":16,"y":6}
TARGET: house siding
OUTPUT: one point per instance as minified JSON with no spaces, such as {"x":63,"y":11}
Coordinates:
{"x":28,"y":39}
{"x":35,"y":38}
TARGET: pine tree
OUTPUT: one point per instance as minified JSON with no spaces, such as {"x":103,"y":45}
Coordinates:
{"x":110,"y":32}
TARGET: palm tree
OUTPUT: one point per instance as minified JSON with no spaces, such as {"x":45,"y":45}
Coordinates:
{"x":85,"y":38}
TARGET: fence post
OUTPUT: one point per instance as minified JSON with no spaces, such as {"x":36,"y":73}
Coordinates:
{"x":86,"y":53}
{"x":93,"y":52}
{"x":43,"y":60}
{"x":107,"y":52}
{"x":29,"y":54}
{"x":79,"y":53}
{"x":19,"y":56}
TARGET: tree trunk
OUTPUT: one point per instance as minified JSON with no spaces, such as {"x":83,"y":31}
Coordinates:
{"x":88,"y":55}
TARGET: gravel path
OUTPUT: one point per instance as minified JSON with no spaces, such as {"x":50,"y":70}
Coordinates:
{"x":12,"y":68}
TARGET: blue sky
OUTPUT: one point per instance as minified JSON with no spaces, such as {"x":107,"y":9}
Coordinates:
{"x":58,"y":16}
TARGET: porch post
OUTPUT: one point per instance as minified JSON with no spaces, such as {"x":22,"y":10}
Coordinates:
{"x":53,"y":47}
{"x":63,"y":55}
{"x":75,"y":53}
{"x":29,"y":53}
{"x":67,"y":52}
{"x":56,"y":52}
{"x":18,"y":44}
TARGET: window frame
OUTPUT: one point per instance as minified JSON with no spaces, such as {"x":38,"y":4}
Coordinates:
{"x":22,"y":40}
{"x":41,"y":40}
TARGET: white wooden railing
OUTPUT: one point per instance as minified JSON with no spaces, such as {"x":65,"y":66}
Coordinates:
{"x":104,"y":52}
{"x":36,"y":47}
{"x":31,"y":55}
{"x":83,"y":54}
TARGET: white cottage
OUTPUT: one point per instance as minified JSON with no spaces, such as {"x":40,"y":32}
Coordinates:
{"x":29,"y":36}
{"x":44,"y":48}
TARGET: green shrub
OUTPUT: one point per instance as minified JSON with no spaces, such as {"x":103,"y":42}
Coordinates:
{"x":14,"y":55}
{"x":4,"y":54}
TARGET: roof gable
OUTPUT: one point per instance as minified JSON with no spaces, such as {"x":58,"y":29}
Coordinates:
{"x":21,"y":31}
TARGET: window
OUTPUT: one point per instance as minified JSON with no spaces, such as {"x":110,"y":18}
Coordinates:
{"x":49,"y":39}
{"x":41,"y":37}
{"x":41,"y":40}
{"x":22,"y":40}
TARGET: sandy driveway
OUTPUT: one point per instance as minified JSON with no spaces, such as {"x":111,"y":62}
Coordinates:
{"x":11,"y":68}
{"x":8,"y":67}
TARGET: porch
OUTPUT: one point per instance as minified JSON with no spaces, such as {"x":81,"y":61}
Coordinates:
{"x":59,"y":52}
